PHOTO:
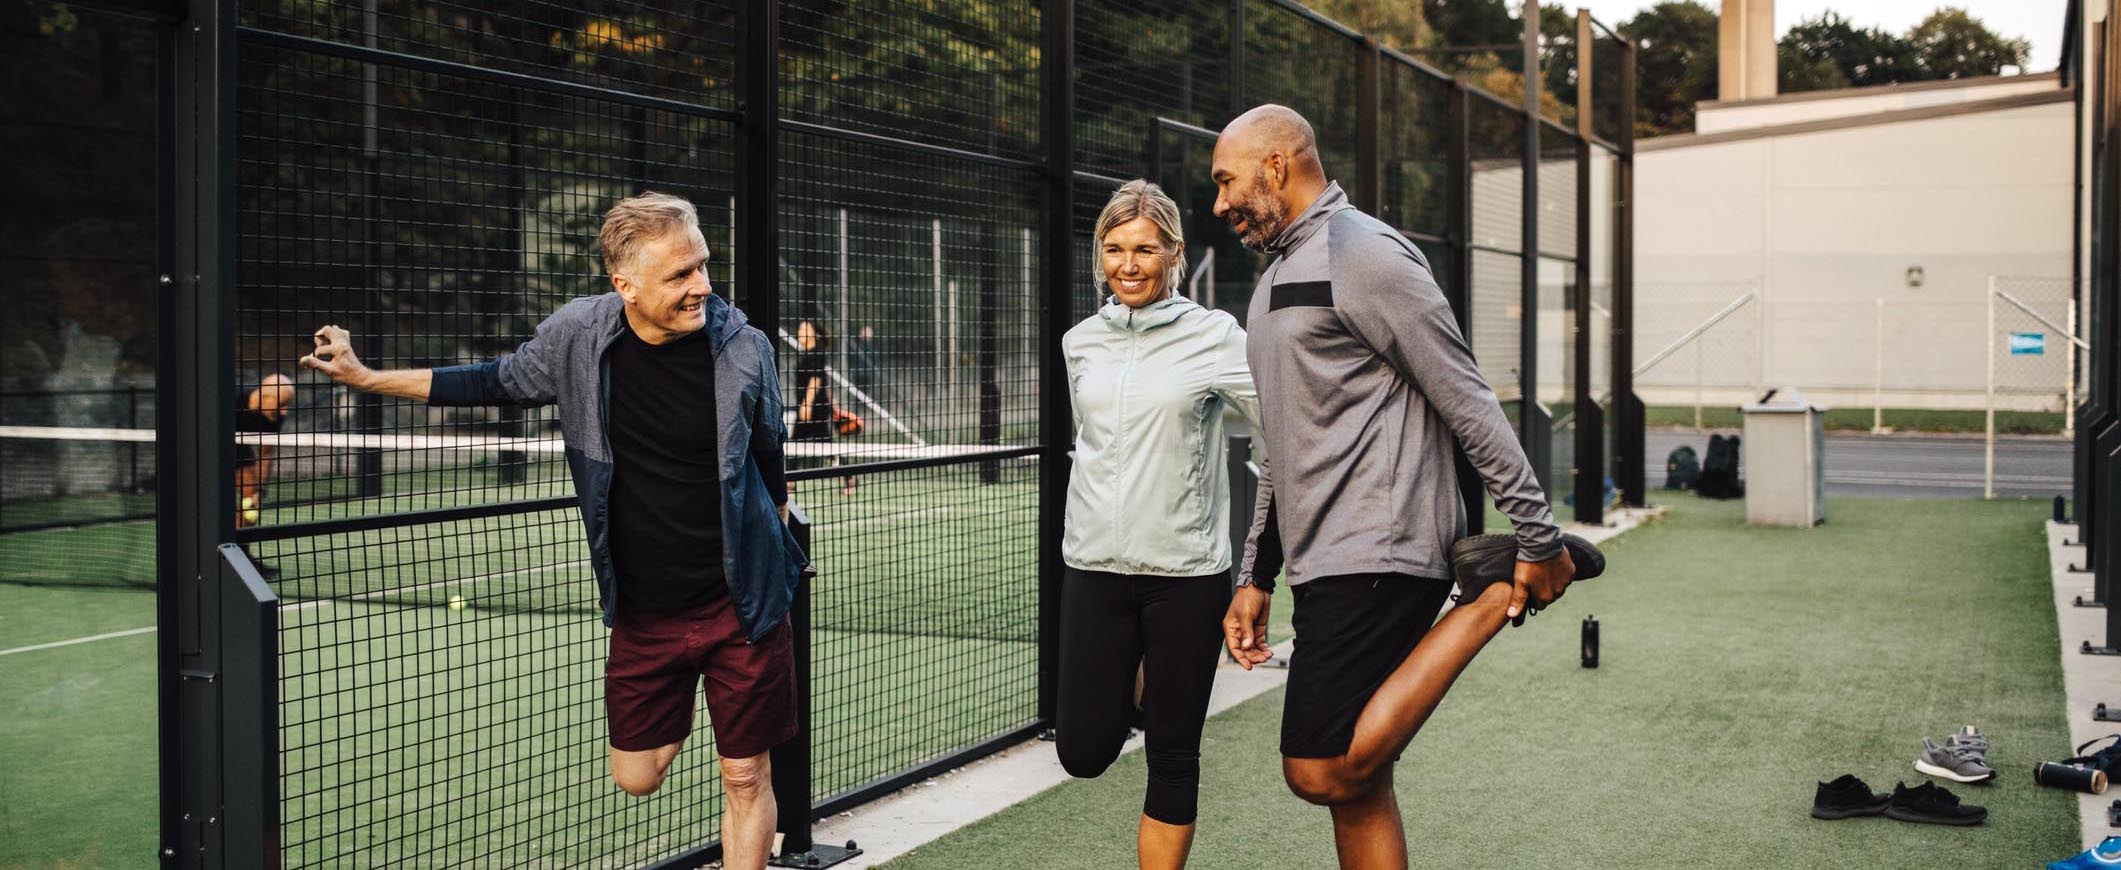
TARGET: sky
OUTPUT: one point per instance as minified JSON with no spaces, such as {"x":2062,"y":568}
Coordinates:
{"x":2039,"y":21}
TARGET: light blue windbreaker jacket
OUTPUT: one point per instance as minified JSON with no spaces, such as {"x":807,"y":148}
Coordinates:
{"x":1149,"y":492}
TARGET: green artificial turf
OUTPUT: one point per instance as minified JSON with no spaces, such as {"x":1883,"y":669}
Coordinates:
{"x":78,"y":779}
{"x":1740,"y":666}
{"x":412,"y":733}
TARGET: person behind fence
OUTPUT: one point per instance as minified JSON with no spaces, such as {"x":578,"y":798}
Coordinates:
{"x":815,"y":412}
{"x":262,"y":412}
{"x":862,"y":358}
{"x":1146,"y":540}
{"x":1364,"y":383}
{"x":670,"y":407}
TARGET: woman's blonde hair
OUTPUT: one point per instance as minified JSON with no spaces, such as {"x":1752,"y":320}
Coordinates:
{"x":1136,"y":199}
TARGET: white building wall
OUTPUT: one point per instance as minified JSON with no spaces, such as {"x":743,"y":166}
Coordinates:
{"x":1822,"y":226}
{"x":1712,"y":117}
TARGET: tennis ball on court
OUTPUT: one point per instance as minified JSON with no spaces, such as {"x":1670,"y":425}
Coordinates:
{"x":457,"y":602}
{"x":250,"y":516}
{"x":249,"y":503}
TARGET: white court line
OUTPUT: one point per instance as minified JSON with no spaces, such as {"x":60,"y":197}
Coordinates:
{"x":401,"y":590}
{"x":59,"y":643}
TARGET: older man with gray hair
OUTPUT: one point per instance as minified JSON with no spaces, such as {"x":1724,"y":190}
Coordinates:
{"x":1364,"y":384}
{"x":670,"y":406}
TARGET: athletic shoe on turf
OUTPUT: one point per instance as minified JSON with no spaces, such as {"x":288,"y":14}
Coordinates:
{"x":1930,"y":804}
{"x":2101,"y":857}
{"x":1481,"y":560}
{"x":1958,"y":763}
{"x":1971,"y":739}
{"x":1846,"y":798}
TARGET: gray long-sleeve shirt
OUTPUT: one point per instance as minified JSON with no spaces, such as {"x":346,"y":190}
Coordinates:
{"x":1363,"y":381}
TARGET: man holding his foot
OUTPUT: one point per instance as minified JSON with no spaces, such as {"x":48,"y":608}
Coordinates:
{"x":1364,"y":382}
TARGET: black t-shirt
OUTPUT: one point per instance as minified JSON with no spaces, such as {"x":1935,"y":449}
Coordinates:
{"x":809,"y":366}
{"x":250,"y":419}
{"x":666,"y":488}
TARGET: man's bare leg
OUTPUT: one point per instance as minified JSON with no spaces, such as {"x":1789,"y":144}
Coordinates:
{"x":1160,"y":846}
{"x":1367,"y":833}
{"x":749,"y":814}
{"x":1357,"y":786}
{"x":641,"y":772}
{"x":1407,"y":698}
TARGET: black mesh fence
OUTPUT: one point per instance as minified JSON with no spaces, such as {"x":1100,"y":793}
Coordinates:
{"x":431,"y":176}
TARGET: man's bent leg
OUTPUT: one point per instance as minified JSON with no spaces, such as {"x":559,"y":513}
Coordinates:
{"x":641,"y":773}
{"x":1402,"y":703}
{"x":1366,"y":826}
{"x":749,"y":814}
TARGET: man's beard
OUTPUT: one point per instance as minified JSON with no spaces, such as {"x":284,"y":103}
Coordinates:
{"x":1264,"y":216}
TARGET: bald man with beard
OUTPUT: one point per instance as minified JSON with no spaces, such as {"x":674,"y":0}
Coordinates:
{"x":1364,"y":384}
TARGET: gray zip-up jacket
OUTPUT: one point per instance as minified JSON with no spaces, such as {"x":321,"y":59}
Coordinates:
{"x":568,"y":363}
{"x":1364,"y":380}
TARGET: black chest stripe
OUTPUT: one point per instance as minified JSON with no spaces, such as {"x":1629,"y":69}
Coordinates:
{"x":1301,"y":294}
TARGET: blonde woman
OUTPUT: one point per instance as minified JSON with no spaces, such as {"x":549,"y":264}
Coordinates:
{"x":1147,"y":540}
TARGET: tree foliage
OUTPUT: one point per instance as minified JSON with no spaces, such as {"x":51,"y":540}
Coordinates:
{"x":1953,"y":44}
{"x":1675,"y":64}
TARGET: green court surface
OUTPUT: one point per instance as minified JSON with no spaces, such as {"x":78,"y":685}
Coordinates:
{"x":1740,"y":667}
{"x":78,"y":780}
{"x":414,"y":733}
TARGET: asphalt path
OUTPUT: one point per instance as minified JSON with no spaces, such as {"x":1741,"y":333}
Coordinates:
{"x":1911,"y":466}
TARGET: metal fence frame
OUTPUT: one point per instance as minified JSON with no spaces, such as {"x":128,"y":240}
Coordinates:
{"x":216,"y":647}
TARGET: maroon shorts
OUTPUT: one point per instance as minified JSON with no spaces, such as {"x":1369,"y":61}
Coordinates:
{"x":656,"y":660}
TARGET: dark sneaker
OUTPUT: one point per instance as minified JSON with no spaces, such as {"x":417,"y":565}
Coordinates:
{"x":1481,"y":560}
{"x":1846,"y":798}
{"x":1930,"y":804}
{"x":1956,"y":762}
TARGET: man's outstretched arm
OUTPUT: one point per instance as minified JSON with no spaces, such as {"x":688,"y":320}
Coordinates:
{"x":520,"y":378}
{"x":335,"y":357}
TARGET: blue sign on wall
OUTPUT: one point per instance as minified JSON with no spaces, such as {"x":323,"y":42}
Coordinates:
{"x":2028,"y":343}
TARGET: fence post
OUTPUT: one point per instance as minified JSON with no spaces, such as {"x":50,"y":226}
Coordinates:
{"x":1537,"y":433}
{"x":989,"y":350}
{"x":2069,"y":372}
{"x":1458,"y":228}
{"x":791,"y":760}
{"x":1631,"y":464}
{"x":1697,"y":384}
{"x":1056,"y":265}
{"x":1369,"y":172}
{"x":1988,"y":459}
{"x":1878,"y":375}
{"x":1590,"y":419}
{"x":195,"y":444}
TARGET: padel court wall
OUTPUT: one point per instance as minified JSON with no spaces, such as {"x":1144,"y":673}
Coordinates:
{"x":421,"y":684}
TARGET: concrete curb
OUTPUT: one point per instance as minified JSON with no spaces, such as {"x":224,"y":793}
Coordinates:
{"x":2086,"y":680}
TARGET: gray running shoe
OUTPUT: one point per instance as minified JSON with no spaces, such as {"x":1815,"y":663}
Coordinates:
{"x":1956,"y":763}
{"x":1970,"y":737}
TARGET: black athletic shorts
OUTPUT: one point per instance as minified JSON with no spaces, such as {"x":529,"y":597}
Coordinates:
{"x":1351,"y":632}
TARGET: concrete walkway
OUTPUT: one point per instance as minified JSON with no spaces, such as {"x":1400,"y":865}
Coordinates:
{"x":2087,"y":680}
{"x":929,"y":810}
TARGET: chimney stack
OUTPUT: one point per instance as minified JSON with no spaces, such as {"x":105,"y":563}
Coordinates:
{"x":1745,"y":50}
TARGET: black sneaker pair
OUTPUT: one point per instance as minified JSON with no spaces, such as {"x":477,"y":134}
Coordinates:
{"x":1848,"y":797}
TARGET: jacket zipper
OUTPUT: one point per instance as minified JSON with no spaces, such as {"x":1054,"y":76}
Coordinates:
{"x":1126,"y":380}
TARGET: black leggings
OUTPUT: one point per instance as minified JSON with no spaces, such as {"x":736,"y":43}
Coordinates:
{"x":1172,"y":628}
